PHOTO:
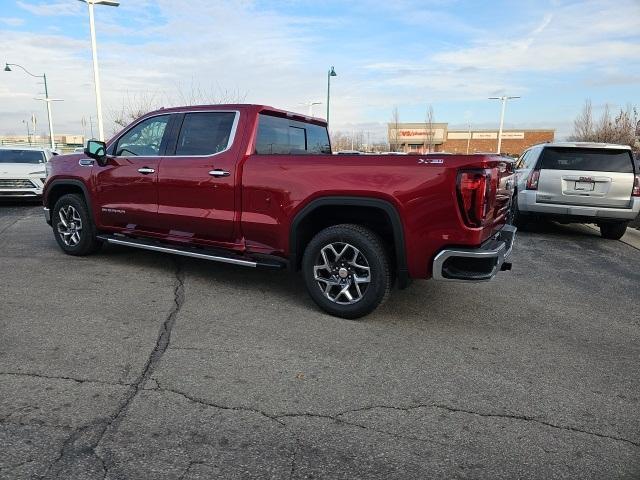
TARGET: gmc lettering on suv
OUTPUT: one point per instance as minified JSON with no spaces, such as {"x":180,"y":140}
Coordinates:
{"x":256,"y":186}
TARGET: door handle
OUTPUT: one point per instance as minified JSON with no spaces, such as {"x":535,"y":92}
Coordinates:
{"x":146,"y":170}
{"x":219,"y":173}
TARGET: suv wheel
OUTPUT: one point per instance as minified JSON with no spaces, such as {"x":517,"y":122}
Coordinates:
{"x":613,"y":231}
{"x":346,"y":270}
{"x":73,"y":228}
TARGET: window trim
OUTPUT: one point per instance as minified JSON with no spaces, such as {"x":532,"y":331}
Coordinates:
{"x":178,"y":129}
{"x":169,"y":132}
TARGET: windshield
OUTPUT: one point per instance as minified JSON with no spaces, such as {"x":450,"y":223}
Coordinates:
{"x":21,"y":156}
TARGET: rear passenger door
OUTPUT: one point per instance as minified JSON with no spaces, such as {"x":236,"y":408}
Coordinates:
{"x":197,"y":178}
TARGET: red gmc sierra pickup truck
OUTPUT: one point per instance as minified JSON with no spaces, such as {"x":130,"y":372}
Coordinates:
{"x":256,"y":186}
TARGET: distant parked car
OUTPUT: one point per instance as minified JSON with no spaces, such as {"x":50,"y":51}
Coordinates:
{"x":578,"y":182}
{"x":23,"y":171}
{"x":349,"y":152}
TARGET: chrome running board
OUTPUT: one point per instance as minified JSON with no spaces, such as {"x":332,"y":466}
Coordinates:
{"x":203,"y":254}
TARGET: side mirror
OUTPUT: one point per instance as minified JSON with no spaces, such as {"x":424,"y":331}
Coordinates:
{"x":97,"y":150}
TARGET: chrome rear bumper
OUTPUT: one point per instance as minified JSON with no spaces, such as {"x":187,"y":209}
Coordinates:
{"x":476,"y":264}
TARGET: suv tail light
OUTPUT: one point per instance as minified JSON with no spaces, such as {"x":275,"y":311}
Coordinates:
{"x":476,"y":192}
{"x":636,"y":186}
{"x":532,"y":180}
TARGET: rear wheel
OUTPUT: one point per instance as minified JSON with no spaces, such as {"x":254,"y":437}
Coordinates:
{"x":613,"y":231}
{"x":73,"y":227}
{"x":346,"y":270}
{"x":515,"y":217}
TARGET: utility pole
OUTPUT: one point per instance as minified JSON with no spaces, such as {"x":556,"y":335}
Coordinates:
{"x":94,"y":51}
{"x":503,"y":99}
{"x":468,"y":136}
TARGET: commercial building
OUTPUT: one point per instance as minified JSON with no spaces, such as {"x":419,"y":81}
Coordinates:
{"x":436,"y":137}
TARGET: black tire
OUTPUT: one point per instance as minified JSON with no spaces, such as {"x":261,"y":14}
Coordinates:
{"x":74,"y":208}
{"x":366,"y":248}
{"x":516,"y":218}
{"x":613,"y":231}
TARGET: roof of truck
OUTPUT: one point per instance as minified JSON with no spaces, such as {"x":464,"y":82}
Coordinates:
{"x":584,"y":145}
{"x":242,"y":106}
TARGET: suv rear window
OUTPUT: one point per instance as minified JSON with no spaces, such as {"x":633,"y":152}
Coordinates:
{"x":593,"y":159}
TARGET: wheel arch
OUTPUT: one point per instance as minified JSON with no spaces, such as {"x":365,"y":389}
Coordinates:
{"x":302,"y":228}
{"x":61,"y":187}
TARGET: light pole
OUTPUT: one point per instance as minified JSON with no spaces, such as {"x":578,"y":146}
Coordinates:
{"x":96,"y":75}
{"x":330,"y":73}
{"x":503,"y":99}
{"x":310,"y":106}
{"x":7,"y":68}
{"x":468,"y":136}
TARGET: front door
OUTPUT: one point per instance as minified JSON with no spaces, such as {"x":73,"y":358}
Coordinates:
{"x":127,"y":187}
{"x":196,"y":181}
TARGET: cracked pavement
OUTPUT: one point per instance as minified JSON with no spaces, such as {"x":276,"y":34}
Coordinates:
{"x":132,"y":365}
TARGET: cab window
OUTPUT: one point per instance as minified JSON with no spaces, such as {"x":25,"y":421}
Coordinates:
{"x":281,"y":136}
{"x":205,"y":133}
{"x":144,"y":139}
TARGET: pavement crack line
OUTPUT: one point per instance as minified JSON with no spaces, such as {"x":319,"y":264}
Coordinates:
{"x":95,"y":431}
{"x":216,"y":405}
{"x":294,"y":457}
{"x":525,"y":418}
{"x":59,"y":377}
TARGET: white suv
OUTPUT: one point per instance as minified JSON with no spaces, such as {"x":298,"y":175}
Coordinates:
{"x":23,"y":171}
{"x":578,"y":182}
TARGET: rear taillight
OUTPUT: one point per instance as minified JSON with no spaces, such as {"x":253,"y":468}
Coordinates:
{"x":476,"y":192}
{"x":532,"y":180}
{"x":636,"y":186}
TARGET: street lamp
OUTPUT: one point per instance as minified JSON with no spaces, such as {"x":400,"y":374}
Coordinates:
{"x":7,"y":68}
{"x":504,"y":99}
{"x":96,"y":75}
{"x":330,"y":73}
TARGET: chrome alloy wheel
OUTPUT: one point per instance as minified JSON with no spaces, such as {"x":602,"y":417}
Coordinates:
{"x":342,"y":273}
{"x":69,"y":226}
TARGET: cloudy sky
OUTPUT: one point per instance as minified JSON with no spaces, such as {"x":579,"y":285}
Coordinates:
{"x":452,"y":54}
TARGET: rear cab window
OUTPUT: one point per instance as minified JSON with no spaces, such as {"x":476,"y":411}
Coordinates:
{"x":587,"y":159}
{"x":283,"y":136}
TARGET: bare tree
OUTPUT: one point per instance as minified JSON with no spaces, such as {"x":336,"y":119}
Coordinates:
{"x":394,"y":130}
{"x":428,"y":140}
{"x":621,"y":129}
{"x":136,"y":105}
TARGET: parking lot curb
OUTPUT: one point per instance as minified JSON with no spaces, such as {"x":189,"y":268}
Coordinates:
{"x":631,"y":237}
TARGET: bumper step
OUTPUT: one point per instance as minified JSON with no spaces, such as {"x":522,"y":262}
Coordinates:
{"x":214,"y":255}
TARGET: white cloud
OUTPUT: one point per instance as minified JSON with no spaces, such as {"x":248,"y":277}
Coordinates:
{"x":12,"y":21}
{"x":61,"y":7}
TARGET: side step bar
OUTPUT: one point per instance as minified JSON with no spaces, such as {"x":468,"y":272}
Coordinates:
{"x":213,"y":255}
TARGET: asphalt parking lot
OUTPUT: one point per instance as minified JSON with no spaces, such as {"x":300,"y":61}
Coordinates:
{"x":134,"y":365}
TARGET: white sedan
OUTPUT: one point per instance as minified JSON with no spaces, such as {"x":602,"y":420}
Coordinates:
{"x":23,"y":171}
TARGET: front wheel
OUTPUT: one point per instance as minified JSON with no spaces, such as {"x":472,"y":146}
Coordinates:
{"x":346,"y":270}
{"x":73,"y":227}
{"x":613,"y":231}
